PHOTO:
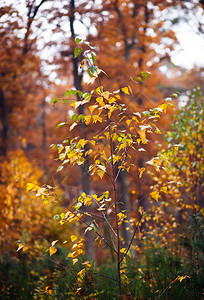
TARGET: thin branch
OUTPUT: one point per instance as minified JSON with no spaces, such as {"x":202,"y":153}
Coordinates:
{"x":105,"y":218}
{"x":131,"y":241}
{"x":83,"y":222}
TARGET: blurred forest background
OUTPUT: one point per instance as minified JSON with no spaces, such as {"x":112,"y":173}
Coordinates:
{"x":37,"y":65}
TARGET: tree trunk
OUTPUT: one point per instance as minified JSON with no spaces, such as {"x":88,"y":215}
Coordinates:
{"x":85,"y":179}
{"x":4,"y":123}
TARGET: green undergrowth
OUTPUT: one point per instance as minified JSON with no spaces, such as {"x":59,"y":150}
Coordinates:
{"x":149,"y":276}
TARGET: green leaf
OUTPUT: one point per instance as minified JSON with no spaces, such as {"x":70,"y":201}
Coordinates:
{"x":77,"y":206}
{"x":65,"y":101}
{"x":145,"y":75}
{"x":92,"y":69}
{"x":61,"y":124}
{"x":78,"y":40}
{"x":74,"y":117}
{"x":93,"y":56}
{"x":87,"y":96}
{"x":139,"y":79}
{"x":77,"y":51}
{"x":52,"y":146}
{"x":55,"y":101}
{"x":73,"y":93}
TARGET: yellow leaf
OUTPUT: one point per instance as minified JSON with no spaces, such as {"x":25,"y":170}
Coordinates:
{"x":100,"y":101}
{"x":155,"y":195}
{"x":20,"y":246}
{"x":142,"y":134}
{"x":81,"y":272}
{"x":99,"y":244}
{"x":100,"y":173}
{"x":92,"y":142}
{"x":71,"y":254}
{"x":122,"y":250}
{"x":92,"y":107}
{"x":73,"y":238}
{"x":157,"y":130}
{"x":163,"y":107}
{"x":97,"y":118}
{"x":111,"y":109}
{"x":163,"y":189}
{"x":74,"y":261}
{"x":49,"y":290}
{"x":99,"y":90}
{"x":87,"y":119}
{"x":106,"y":95}
{"x":141,"y":171}
{"x":82,"y":63}
{"x":82,"y":142}
{"x":52,"y":250}
{"x":135,"y":119}
{"x":128,"y":122}
{"x":87,"y":214}
{"x":25,"y":248}
{"x":88,"y":152}
{"x":130,"y":90}
{"x":32,"y":187}
{"x":73,"y":103}
{"x":181,"y":278}
{"x":126,"y":90}
{"x":111,"y":100}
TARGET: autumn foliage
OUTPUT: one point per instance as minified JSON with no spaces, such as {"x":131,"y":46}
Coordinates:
{"x":94,"y":202}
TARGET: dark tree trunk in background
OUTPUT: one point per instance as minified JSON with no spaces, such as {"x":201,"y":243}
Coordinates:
{"x":85,"y":180}
{"x":4,"y":123}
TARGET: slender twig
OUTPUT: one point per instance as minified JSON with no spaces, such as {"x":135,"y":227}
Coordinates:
{"x":131,"y":241}
{"x":84,"y":222}
{"x":106,"y":218}
{"x":116,"y":211}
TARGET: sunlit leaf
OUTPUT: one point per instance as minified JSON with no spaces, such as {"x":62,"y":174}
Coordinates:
{"x":74,"y":261}
{"x":141,"y":171}
{"x":155,"y":195}
{"x":125,"y":90}
{"x":73,"y":238}
{"x":142,"y":134}
{"x":60,"y":168}
{"x":77,"y":51}
{"x":78,"y":40}
{"x":52,"y":250}
{"x":72,"y":126}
